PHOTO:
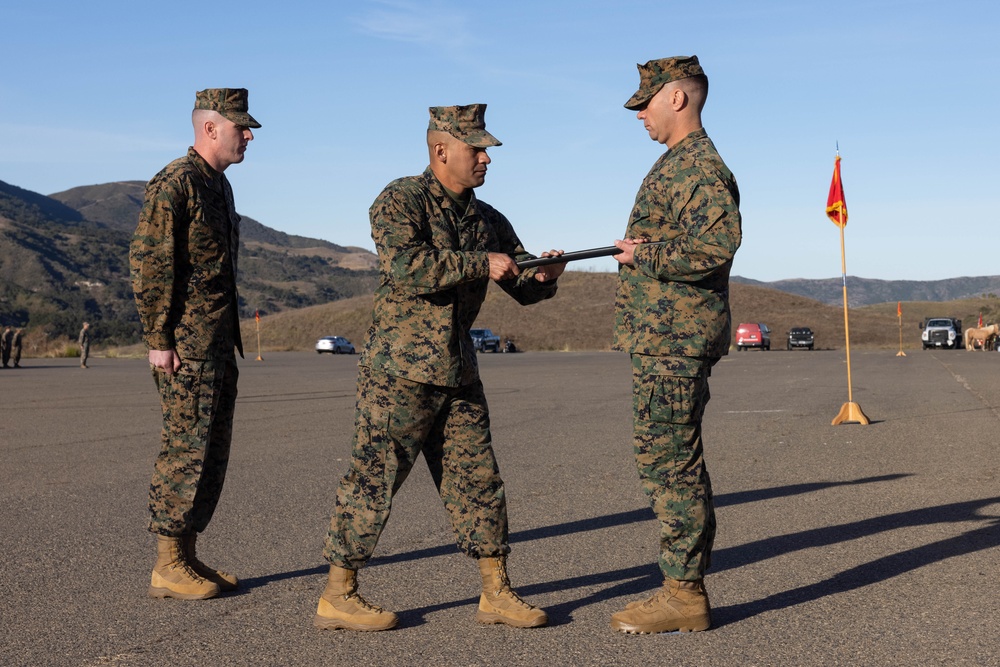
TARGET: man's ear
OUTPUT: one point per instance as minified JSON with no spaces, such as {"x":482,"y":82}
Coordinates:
{"x":678,"y":99}
{"x":441,"y":152}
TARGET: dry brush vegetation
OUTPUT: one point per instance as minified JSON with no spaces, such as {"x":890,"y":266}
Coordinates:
{"x":581,"y":317}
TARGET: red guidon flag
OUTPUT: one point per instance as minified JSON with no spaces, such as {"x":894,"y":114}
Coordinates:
{"x":256,"y":315}
{"x":836,"y":207}
{"x":899,"y":309}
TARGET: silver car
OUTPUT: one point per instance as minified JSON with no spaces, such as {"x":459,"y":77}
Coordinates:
{"x":334,"y":345}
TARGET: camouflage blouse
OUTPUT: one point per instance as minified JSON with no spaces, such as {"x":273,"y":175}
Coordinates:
{"x":183,"y":261}
{"x":674,"y":300}
{"x":433,"y":276}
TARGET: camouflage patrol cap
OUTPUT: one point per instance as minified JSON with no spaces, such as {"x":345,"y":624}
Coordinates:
{"x":467,"y":123}
{"x":231,"y":103}
{"x":654,"y":74}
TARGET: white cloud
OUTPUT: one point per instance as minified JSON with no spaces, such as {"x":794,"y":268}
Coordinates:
{"x":434,"y":24}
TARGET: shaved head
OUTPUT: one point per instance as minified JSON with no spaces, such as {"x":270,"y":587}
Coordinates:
{"x":201,"y":116}
{"x":695,"y":88}
{"x":435,"y":137}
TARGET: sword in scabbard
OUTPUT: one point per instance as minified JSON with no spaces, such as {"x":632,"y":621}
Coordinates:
{"x":570,"y":257}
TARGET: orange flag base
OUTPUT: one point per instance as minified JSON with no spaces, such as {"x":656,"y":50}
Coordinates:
{"x":901,"y":354}
{"x":851,"y":412}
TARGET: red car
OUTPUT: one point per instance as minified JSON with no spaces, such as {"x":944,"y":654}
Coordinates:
{"x":753,"y":334}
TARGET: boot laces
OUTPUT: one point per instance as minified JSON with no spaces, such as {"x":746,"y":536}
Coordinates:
{"x":663,"y":595}
{"x":363,"y":602}
{"x":513,"y":597}
{"x":503,"y":590}
{"x":191,"y":560}
{"x":181,"y":563}
{"x":501,"y":570}
{"x":191,"y":572}
{"x":660,"y":596}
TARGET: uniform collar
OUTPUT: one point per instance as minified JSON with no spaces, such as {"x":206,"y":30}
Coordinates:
{"x":212,"y":177}
{"x":439,"y":192}
{"x":690,"y":138}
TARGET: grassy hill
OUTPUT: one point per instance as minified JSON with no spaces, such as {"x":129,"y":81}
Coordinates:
{"x":112,"y":205}
{"x":278,"y":271}
{"x":581,"y":317}
{"x":867,"y":291}
{"x":64,"y":259}
{"x":57,"y":269}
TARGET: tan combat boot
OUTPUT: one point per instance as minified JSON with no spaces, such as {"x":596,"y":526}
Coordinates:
{"x":341,"y":606}
{"x":224,"y":580}
{"x":500,"y":604}
{"x":678,"y":606}
{"x":172,"y":576}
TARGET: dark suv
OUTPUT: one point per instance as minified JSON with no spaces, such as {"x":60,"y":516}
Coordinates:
{"x":484,"y":340}
{"x":801,"y":337}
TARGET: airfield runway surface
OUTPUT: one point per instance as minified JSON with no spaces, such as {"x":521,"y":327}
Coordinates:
{"x":837,"y":545}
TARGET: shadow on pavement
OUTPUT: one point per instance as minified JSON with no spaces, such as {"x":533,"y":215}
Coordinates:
{"x":640,"y":580}
{"x":632,"y":581}
{"x":986,"y":536}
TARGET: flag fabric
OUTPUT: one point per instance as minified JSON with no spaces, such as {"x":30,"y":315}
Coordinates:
{"x":836,"y":207}
{"x":980,"y":320}
{"x":899,"y":309}
{"x":256,"y":315}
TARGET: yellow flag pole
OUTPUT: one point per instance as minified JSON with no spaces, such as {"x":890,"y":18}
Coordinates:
{"x":850,"y":411}
{"x":257,"y":317}
{"x":899,"y":314}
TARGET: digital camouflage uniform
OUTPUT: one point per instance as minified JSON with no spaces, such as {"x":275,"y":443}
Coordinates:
{"x":83,"y":340}
{"x":6,"y":338}
{"x":183,"y":265}
{"x":16,"y":350}
{"x":672,"y":316}
{"x":418,"y":385}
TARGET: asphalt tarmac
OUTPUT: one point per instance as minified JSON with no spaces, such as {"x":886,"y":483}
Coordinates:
{"x":837,"y":545}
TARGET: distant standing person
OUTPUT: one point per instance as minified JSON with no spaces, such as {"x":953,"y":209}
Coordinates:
{"x":84,"y":341}
{"x":16,"y":352}
{"x":672,"y":316}
{"x":183,"y":265}
{"x":6,"y":339}
{"x":419,"y":390}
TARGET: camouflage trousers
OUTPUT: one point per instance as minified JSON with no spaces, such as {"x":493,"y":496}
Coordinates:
{"x":669,"y":395}
{"x":197,"y":403}
{"x":395,"y":420}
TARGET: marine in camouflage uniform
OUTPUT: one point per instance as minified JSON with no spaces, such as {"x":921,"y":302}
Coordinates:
{"x":672,"y":317}
{"x":16,"y":349}
{"x":83,"y":340}
{"x":5,"y":345}
{"x":418,"y":387}
{"x":183,"y":260}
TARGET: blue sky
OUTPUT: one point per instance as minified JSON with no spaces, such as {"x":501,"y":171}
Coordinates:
{"x":99,"y":92}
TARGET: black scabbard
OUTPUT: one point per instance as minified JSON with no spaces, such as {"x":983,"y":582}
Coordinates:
{"x":570,"y":257}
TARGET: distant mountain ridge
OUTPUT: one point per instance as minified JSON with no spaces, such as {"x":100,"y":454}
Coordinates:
{"x":64,"y":259}
{"x":117,"y":205}
{"x":869,"y":291}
